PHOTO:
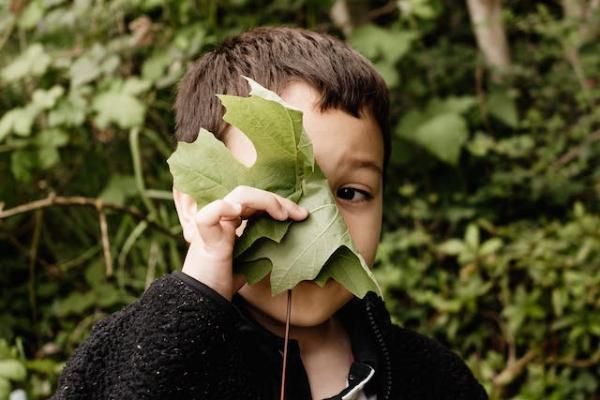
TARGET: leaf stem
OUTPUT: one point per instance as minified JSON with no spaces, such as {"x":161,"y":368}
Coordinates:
{"x":285,"y":343}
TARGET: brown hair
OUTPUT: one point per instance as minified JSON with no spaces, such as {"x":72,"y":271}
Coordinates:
{"x":274,"y":56}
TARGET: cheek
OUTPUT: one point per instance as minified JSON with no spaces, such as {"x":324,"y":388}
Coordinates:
{"x":366,"y":242}
{"x":365,"y":230}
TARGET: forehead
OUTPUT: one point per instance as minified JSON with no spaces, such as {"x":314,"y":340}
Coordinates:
{"x":338,"y":137}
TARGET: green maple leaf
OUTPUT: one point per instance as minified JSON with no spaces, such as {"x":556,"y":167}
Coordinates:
{"x":318,"y":248}
{"x":206,"y":170}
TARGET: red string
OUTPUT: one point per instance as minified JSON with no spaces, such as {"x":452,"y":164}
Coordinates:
{"x":285,"y":344}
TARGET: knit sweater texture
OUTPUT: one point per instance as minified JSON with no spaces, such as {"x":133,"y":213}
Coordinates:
{"x":176,"y":342}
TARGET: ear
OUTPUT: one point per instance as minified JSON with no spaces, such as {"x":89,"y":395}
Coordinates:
{"x":186,"y":211}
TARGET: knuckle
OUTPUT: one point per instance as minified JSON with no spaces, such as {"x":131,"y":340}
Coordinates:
{"x":281,"y":210}
{"x":241,"y":189}
{"x":221,"y":204}
{"x":240,"y":194}
{"x":201,"y":218}
{"x":289,"y":203}
{"x":275,"y":203}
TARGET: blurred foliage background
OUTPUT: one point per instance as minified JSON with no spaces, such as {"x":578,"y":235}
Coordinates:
{"x":492,"y":212}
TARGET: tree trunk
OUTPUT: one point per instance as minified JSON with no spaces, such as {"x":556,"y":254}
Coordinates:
{"x":349,"y":14}
{"x":486,"y":18}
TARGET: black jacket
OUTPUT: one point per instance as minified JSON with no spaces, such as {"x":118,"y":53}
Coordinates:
{"x":185,"y":341}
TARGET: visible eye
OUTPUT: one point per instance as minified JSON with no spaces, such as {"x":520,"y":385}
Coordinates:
{"x":350,"y":194}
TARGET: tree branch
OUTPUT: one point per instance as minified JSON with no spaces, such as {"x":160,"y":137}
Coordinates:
{"x":575,"y":151}
{"x":577,"y":363}
{"x":54,"y":200}
{"x":386,"y":9}
{"x":513,"y":369}
{"x":105,"y":240}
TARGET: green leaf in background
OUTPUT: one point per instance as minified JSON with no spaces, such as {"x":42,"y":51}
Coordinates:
{"x":452,"y":247}
{"x":385,"y":47}
{"x":135,"y":86}
{"x":490,"y":246}
{"x":84,"y":70}
{"x":423,"y":9}
{"x":154,"y":67}
{"x":472,"y":237}
{"x":48,"y":157}
{"x":92,"y":64}
{"x":33,"y":61}
{"x":440,"y":128}
{"x":4,"y":388}
{"x":53,"y":137}
{"x":376,"y":43}
{"x":388,"y":72}
{"x":502,"y":106}
{"x":443,"y":136}
{"x":69,"y":111}
{"x":481,"y":144}
{"x":43,"y":153}
{"x":13,"y":370}
{"x":206,"y":170}
{"x":451,"y":105}
{"x":18,"y":120}
{"x":118,"y":189}
{"x":119,"y":106}
{"x":32,"y":14}
{"x":48,"y":142}
{"x":532,"y":187}
{"x":22,"y":164}
{"x":45,"y":99}
{"x":164,"y":67}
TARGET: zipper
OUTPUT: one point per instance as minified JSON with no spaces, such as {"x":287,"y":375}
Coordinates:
{"x":387,"y":388}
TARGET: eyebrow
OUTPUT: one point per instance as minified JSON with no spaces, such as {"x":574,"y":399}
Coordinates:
{"x":363,"y":163}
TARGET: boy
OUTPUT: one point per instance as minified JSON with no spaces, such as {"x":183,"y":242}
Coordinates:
{"x":202,"y":333}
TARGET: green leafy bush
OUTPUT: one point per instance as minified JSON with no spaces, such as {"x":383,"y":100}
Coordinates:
{"x":492,"y":219}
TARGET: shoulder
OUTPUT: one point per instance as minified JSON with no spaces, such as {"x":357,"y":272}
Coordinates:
{"x":424,"y":366}
{"x":175,"y":332}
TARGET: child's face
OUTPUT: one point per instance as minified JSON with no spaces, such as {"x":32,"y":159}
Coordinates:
{"x":349,"y":150}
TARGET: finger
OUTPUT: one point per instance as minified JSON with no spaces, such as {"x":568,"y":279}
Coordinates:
{"x":254,"y":200}
{"x":213,"y":212}
{"x":295,"y":211}
{"x":217,"y":219}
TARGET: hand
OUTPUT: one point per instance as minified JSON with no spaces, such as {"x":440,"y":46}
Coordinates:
{"x":210,"y":255}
